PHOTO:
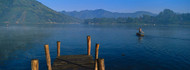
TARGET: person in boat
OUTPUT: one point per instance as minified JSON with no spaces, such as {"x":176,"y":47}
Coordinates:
{"x":140,"y":30}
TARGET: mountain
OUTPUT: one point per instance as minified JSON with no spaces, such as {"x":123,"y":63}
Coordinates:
{"x":30,"y":11}
{"x":167,"y":16}
{"x":100,"y":13}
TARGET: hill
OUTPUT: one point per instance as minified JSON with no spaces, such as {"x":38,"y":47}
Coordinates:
{"x":165,"y":17}
{"x":30,"y":11}
{"x":100,"y":13}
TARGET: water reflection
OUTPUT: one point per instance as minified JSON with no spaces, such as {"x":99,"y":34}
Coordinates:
{"x":140,"y":39}
{"x":18,"y":38}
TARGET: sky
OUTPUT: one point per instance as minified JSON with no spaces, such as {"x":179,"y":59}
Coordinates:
{"x":124,"y":6}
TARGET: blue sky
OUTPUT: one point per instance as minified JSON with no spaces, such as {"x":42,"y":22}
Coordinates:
{"x":155,"y":6}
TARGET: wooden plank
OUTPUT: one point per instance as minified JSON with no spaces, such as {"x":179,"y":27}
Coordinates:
{"x":73,"y":62}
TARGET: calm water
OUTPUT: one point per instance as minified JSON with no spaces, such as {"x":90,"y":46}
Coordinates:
{"x":162,"y":48}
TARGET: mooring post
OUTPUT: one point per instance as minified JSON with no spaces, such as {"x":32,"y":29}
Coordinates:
{"x":88,"y":45}
{"x":48,"y":59}
{"x":101,"y":65}
{"x":58,"y":48}
{"x":96,"y":56}
{"x":34,"y":64}
{"x":96,"y":64}
{"x":96,"y":51}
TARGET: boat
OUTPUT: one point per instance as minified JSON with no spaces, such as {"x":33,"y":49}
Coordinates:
{"x":140,"y":34}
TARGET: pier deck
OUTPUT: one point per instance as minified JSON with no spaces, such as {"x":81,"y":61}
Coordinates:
{"x":73,"y":62}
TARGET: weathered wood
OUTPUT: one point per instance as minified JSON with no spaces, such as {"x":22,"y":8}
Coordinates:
{"x":89,"y":45}
{"x":48,"y":59}
{"x":96,"y":51}
{"x":73,"y":62}
{"x":101,"y":65}
{"x":34,"y":64}
{"x":96,"y":56}
{"x":96,"y":64}
{"x":58,"y":48}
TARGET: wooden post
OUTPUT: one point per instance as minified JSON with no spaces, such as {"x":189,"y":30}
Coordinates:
{"x":88,"y":45}
{"x":101,"y":65}
{"x":96,"y":51}
{"x":58,"y":48}
{"x":34,"y":64}
{"x":96,"y":64}
{"x":48,"y":59}
{"x":96,"y":56}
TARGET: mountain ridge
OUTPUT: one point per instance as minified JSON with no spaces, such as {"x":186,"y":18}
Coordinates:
{"x":101,"y":13}
{"x":167,"y":16}
{"x":30,"y":11}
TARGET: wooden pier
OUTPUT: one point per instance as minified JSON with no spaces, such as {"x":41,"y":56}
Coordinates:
{"x":72,"y":62}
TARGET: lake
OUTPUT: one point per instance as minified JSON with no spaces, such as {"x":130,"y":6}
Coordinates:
{"x":162,"y":47}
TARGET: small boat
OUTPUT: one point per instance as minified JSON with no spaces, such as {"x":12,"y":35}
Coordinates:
{"x":139,"y":34}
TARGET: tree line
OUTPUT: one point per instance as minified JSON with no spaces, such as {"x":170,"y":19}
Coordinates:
{"x":165,"y":17}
